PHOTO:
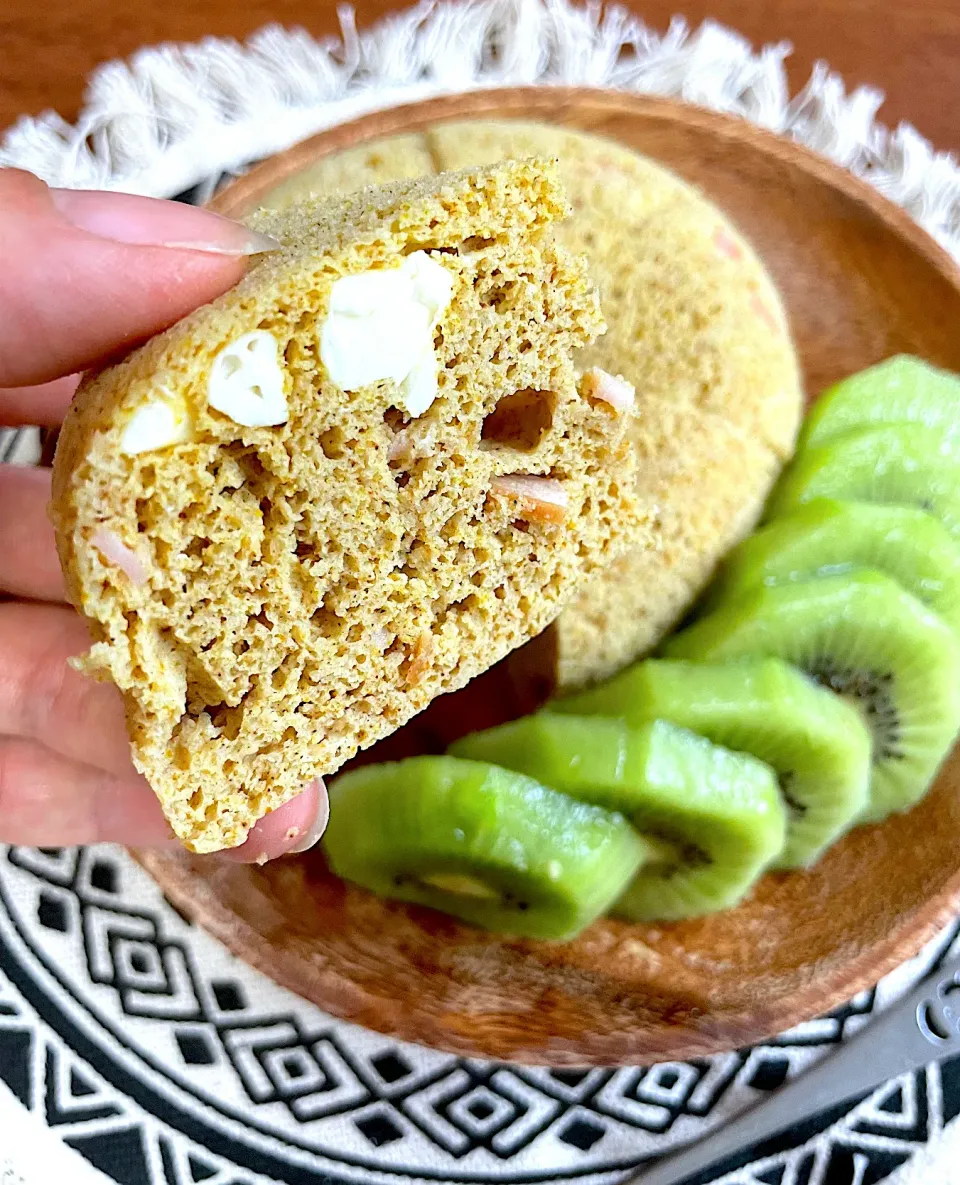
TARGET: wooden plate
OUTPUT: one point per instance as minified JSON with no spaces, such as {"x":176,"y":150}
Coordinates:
{"x":861,"y":282}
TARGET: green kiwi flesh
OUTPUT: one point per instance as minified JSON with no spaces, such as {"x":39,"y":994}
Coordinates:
{"x":899,"y":464}
{"x":485,"y":844}
{"x":861,"y":635}
{"x":716,"y":816}
{"x":816,"y":744}
{"x":900,"y":390}
{"x":826,"y":537}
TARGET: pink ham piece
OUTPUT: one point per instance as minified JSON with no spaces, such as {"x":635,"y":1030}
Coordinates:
{"x":115,"y":552}
{"x":597,"y":384}
{"x":539,"y":499}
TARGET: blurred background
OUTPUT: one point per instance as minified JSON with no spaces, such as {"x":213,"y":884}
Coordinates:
{"x":909,"y":48}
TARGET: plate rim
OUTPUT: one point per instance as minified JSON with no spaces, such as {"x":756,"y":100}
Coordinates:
{"x":527,"y":100}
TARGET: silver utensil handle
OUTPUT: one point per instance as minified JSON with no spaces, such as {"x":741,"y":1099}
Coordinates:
{"x":923,"y":1027}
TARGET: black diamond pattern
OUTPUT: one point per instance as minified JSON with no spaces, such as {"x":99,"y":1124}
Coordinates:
{"x":196,"y":1049}
{"x":150,"y":974}
{"x":390,"y":1067}
{"x":52,"y":913}
{"x":310,"y":1076}
{"x":481,"y":1111}
{"x":229,"y":996}
{"x":769,"y":1073}
{"x":582,"y":1134}
{"x":139,"y":963}
{"x":103,"y":876}
{"x":379,"y":1129}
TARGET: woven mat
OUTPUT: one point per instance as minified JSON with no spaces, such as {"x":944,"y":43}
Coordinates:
{"x":133,"y":1048}
{"x":137,"y":1040}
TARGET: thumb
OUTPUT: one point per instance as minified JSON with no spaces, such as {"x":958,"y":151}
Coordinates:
{"x":87,"y":274}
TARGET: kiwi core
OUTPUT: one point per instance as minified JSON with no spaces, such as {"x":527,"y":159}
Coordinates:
{"x":460,"y":885}
{"x":872,"y":694}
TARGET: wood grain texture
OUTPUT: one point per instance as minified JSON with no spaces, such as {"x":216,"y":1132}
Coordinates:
{"x":911,"y":50}
{"x":860,"y":281}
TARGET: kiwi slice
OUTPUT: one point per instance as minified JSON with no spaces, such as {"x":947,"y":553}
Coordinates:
{"x":861,"y":635}
{"x":816,"y":744}
{"x":485,"y":844}
{"x":902,"y":464}
{"x":827,"y":537}
{"x":901,"y":390}
{"x":714,"y":817}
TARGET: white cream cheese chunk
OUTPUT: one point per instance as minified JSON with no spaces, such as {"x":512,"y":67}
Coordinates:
{"x":246,"y":381}
{"x":157,"y":424}
{"x":380,"y":326}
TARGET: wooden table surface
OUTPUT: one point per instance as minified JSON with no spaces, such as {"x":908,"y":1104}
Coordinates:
{"x":909,"y":48}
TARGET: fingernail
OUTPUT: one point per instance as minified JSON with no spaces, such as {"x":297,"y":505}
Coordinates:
{"x":313,"y":834}
{"x":150,"y":222}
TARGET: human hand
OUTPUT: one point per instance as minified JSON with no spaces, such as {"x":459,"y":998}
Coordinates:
{"x":85,"y":276}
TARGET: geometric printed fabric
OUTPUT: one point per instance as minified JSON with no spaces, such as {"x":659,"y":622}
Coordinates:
{"x":163,"y":1060}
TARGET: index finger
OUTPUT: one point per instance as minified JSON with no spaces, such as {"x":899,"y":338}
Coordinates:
{"x":44,"y":404}
{"x":88,"y":275}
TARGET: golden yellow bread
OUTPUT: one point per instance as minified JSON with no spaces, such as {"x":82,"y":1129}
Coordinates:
{"x":272,"y":589}
{"x":695,"y":323}
{"x":401,"y":158}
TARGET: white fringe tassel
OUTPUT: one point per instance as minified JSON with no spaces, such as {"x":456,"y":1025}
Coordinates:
{"x":176,"y":116}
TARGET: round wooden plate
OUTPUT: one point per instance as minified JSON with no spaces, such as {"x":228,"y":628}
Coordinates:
{"x":861,"y":282}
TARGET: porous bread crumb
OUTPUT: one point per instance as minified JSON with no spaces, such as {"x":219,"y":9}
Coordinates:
{"x":310,"y":586}
{"x":695,"y":324}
